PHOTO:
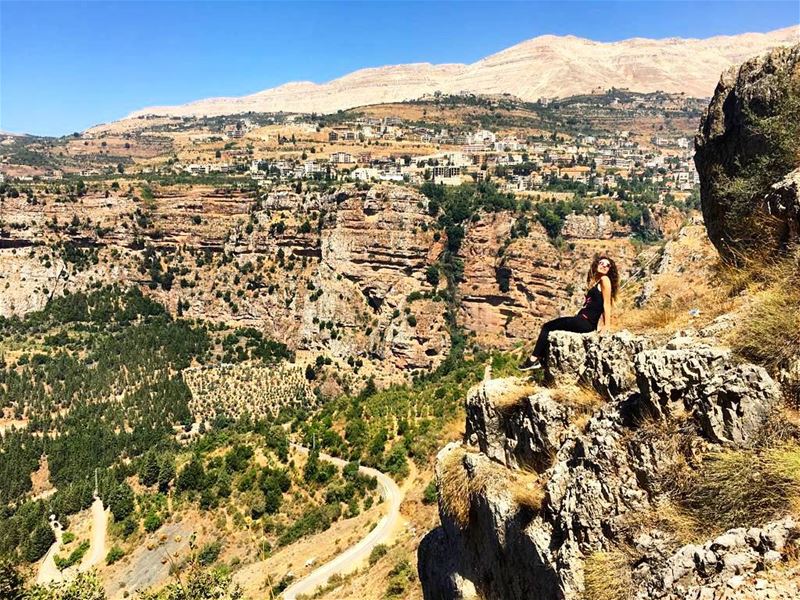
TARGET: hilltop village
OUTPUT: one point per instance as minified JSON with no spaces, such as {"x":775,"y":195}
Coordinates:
{"x":630,"y":141}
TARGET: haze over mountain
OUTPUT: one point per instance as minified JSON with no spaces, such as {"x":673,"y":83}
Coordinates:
{"x":544,"y":67}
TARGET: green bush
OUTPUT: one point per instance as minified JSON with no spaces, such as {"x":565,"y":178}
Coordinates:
{"x":67,"y":537}
{"x":377,"y":552}
{"x":85,"y":586}
{"x":74,"y":557}
{"x":152,"y":521}
{"x":114,"y":554}
{"x":430,"y":495}
{"x":209,"y":553}
{"x":11,"y":582}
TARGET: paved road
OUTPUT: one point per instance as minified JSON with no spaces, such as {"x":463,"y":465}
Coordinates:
{"x":353,"y":556}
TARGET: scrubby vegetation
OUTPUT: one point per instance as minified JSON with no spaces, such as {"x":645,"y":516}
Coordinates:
{"x":98,"y":379}
{"x":743,"y":488}
{"x":607,"y":576}
{"x":386,"y":428}
{"x":769,"y":333}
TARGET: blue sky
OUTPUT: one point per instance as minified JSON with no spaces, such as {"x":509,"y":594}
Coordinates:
{"x":65,"y":66}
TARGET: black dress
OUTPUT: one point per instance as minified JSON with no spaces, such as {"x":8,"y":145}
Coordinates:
{"x":585,"y":321}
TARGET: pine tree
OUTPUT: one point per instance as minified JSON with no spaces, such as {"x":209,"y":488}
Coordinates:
{"x":121,"y":502}
{"x":149,"y":469}
{"x":166,"y":473}
{"x":41,"y":538}
{"x":10,"y":582}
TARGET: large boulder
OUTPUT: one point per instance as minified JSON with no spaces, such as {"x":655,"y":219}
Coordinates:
{"x":747,"y":155}
{"x":604,"y":362}
{"x":514,"y":426}
{"x":731,"y":402}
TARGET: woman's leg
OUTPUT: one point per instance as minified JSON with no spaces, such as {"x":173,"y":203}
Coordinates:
{"x":574,"y":324}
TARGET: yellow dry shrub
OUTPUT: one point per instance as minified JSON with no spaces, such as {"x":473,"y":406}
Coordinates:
{"x":768,"y":333}
{"x":669,"y":518}
{"x":527,"y":490}
{"x":583,"y":400}
{"x":458,"y":487}
{"x":454,"y":487}
{"x":607,"y":576}
{"x":512,"y":395}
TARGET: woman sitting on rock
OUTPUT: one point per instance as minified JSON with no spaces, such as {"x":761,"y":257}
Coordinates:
{"x":602,"y":283}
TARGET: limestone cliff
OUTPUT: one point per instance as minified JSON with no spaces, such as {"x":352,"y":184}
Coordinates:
{"x":341,"y":274}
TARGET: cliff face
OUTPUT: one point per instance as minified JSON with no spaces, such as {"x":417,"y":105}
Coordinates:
{"x":748,"y":154}
{"x":511,"y":285}
{"x":342,"y":274}
{"x":544,"y":481}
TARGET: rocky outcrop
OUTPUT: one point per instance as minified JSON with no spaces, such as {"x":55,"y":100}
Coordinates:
{"x":593,"y":473}
{"x":514,"y":427}
{"x":729,"y":401}
{"x":747,"y":155}
{"x":604,"y":362}
{"x":736,"y":561}
{"x":587,"y":227}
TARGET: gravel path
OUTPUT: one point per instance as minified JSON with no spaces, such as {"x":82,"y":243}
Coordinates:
{"x":353,"y":556}
{"x":48,"y":571}
{"x":97,"y":550}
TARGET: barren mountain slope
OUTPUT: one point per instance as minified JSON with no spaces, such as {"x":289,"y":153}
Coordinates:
{"x":545,"y":66}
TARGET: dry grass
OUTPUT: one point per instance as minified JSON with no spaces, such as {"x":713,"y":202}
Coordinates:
{"x":454,"y":488}
{"x":653,"y":317}
{"x":583,"y":400}
{"x":607,"y":576}
{"x":738,"y":488}
{"x":458,"y":487}
{"x":669,"y":518}
{"x":769,"y":332}
{"x":527,"y":490}
{"x":512,"y":394}
{"x":686,"y":283}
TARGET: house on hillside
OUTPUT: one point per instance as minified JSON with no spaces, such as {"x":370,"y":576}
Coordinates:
{"x":365,"y":174}
{"x":341,"y":158}
{"x":579,"y":173}
{"x":444,"y":172}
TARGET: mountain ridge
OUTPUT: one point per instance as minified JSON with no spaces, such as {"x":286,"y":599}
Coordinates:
{"x":564,"y":66}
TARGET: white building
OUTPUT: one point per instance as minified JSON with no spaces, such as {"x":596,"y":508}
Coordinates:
{"x":341,"y":158}
{"x":365,"y":174}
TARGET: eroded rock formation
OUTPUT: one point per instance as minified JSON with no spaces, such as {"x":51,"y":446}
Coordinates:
{"x":596,"y":469}
{"x":341,"y":274}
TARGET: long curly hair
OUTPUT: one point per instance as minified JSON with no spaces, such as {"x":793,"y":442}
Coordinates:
{"x":593,"y":276}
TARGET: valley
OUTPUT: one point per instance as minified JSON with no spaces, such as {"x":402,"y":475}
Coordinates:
{"x":274,"y":354}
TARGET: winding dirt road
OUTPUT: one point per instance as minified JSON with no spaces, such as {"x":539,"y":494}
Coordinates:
{"x":97,"y":549}
{"x":48,"y":571}
{"x":353,"y":556}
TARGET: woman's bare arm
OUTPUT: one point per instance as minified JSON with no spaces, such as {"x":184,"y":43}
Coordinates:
{"x":606,"y":319}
